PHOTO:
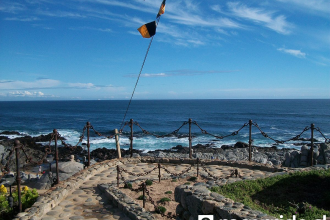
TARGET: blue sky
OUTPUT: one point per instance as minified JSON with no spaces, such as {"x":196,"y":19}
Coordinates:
{"x":214,"y":49}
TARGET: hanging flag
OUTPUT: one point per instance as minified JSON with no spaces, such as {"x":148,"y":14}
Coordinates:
{"x":148,"y":30}
{"x":161,"y":9}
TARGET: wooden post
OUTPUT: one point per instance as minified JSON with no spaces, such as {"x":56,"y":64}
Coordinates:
{"x":159,"y":172}
{"x":18,"y":175}
{"x":190,"y":138}
{"x":56,"y":157}
{"x":131,"y":138}
{"x":144,"y":194}
{"x":118,"y":176}
{"x":250,"y":140}
{"x":88,"y":125}
{"x":312,"y":144}
{"x":117,"y":143}
{"x":197,"y":166}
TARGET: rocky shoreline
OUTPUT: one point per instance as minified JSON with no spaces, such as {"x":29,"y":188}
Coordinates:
{"x":238,"y":152}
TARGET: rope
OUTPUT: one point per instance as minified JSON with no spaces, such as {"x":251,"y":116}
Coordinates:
{"x":145,"y":58}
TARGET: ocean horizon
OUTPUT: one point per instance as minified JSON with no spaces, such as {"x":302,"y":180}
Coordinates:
{"x":281,"y":119}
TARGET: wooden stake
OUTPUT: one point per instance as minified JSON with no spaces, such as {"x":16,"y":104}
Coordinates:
{"x":117,"y":143}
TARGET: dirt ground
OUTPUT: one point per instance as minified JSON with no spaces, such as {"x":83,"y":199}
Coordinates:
{"x":157,"y":192}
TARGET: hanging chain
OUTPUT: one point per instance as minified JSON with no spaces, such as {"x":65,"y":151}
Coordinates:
{"x":278,"y":141}
{"x":161,"y":136}
{"x":326,"y":140}
{"x":220,"y":137}
{"x":177,"y":174}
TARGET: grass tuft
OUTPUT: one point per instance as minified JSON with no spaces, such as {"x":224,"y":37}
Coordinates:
{"x":303,"y":194}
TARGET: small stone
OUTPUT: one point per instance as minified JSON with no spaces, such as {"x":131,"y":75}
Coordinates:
{"x":52,"y":213}
{"x":48,"y":218}
{"x":76,"y":217}
{"x":64,"y":214}
{"x":64,"y":203}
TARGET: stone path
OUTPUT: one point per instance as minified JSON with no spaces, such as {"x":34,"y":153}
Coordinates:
{"x":88,"y":202}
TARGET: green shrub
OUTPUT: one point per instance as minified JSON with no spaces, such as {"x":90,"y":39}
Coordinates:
{"x":174,"y":180}
{"x":193,"y":178}
{"x":168,"y":192}
{"x":287,"y":195}
{"x":165,"y":199}
{"x":187,"y":183}
{"x":148,"y":182}
{"x":141,"y":197}
{"x":128,"y":186}
{"x":161,"y":209}
{"x":28,"y":198}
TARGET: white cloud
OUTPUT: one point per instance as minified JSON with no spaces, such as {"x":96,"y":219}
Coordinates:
{"x":48,"y":84}
{"x":259,"y":15}
{"x":216,"y":8}
{"x":11,"y":7}
{"x":21,"y":85}
{"x":82,"y":85}
{"x":22,"y":19}
{"x":153,"y":75}
{"x":61,"y":14}
{"x":92,"y":28}
{"x":296,"y":53}
{"x":312,"y":6}
{"x":25,"y":94}
{"x":183,"y":72}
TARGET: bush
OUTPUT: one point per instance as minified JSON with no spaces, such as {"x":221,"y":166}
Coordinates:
{"x":161,"y":209}
{"x":187,"y":183}
{"x":28,"y":197}
{"x":128,"y":186}
{"x":165,"y":199}
{"x":141,"y":197}
{"x":193,"y":178}
{"x":148,"y":182}
{"x":168,"y":192}
{"x":287,"y":195}
{"x":174,"y":180}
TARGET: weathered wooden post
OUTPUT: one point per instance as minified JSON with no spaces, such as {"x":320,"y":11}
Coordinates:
{"x":197,"y":166}
{"x":312,"y":144}
{"x":18,"y":175}
{"x":159,"y":172}
{"x":117,"y":143}
{"x":190,"y":138}
{"x":118,"y":176}
{"x":131,"y":138}
{"x":56,"y":156}
{"x":88,"y":125}
{"x":250,"y":140}
{"x":144,"y":194}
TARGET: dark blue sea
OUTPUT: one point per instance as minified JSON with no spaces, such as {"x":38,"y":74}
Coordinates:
{"x":280,"y":119}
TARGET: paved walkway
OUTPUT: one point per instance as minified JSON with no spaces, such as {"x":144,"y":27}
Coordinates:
{"x":88,"y":202}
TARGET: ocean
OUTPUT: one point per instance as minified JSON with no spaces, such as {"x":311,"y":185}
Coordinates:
{"x":280,"y":119}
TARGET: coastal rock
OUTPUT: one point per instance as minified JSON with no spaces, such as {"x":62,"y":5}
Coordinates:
{"x":325,"y":153}
{"x":44,"y":182}
{"x":10,"y":133}
{"x":241,"y":145}
{"x":67,"y":169}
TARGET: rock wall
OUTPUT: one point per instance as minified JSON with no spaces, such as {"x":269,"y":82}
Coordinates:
{"x":198,"y":200}
{"x":302,"y":158}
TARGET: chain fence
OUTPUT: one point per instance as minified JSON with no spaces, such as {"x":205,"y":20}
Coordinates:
{"x":279,"y":141}
{"x":203,"y":131}
{"x":142,"y":186}
{"x":161,"y":136}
